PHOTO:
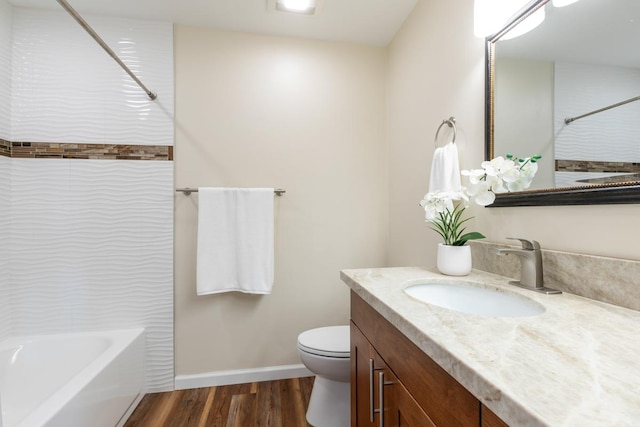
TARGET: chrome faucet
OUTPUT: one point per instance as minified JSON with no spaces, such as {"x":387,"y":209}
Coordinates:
{"x":531,"y":276}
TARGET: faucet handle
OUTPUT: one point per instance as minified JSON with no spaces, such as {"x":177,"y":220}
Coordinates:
{"x":528,"y":245}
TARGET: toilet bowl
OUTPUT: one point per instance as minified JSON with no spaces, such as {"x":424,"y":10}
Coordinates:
{"x":325,"y":352}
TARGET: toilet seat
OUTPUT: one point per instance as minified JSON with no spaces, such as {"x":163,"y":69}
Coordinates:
{"x":330,"y":341}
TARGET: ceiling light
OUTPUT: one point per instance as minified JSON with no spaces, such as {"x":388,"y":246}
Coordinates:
{"x":491,"y":15}
{"x":307,"y":7}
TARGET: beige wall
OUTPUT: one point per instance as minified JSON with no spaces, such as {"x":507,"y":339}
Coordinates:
{"x":314,"y":118}
{"x":306,"y":116}
{"x":436,"y":70}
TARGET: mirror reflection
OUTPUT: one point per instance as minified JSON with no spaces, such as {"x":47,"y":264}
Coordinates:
{"x":570,"y":90}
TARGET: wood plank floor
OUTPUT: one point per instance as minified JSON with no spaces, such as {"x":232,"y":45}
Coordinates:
{"x":281,"y":403}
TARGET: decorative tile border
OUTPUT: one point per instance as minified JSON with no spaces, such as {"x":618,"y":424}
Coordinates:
{"x":5,"y":148}
{"x":595,"y":166}
{"x":616,"y":179}
{"x":56,"y":150}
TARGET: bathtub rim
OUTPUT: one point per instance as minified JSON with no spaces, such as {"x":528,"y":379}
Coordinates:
{"x":121,"y":339}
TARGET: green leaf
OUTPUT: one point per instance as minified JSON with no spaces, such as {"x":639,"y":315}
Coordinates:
{"x":474,"y":235}
{"x":450,"y":226}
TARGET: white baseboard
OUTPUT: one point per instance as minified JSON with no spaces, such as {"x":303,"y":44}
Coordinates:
{"x":240,"y":376}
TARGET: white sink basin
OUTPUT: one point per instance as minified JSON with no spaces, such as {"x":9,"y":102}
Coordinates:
{"x":473,"y":298}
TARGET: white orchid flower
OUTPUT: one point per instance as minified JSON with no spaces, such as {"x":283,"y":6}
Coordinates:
{"x":504,"y":169}
{"x":485,"y":198}
{"x":498,"y":186}
{"x":529,"y":169}
{"x":475,"y":175}
{"x":481,"y":193}
{"x":499,"y":175}
{"x":526,"y":174}
{"x":434,"y":203}
{"x":439,"y":202}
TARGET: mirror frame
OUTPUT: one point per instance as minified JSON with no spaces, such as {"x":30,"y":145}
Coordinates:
{"x":618,"y":193}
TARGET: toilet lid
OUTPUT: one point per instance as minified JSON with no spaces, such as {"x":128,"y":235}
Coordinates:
{"x":330,"y":341}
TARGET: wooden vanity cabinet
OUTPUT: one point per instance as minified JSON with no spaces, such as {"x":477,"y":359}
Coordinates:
{"x":374,"y":386}
{"x":489,"y":419}
{"x":419,"y":393}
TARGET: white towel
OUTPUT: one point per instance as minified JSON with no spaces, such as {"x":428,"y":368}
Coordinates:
{"x":235,"y":240}
{"x":445,"y":170}
{"x":445,"y":176}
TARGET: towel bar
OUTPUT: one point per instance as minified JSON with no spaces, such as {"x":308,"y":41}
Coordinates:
{"x":187,"y":191}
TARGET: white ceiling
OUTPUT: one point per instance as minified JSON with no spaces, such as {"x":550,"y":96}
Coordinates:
{"x":373,"y":22}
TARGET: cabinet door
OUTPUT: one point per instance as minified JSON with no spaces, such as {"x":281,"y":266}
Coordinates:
{"x":440,"y":396}
{"x":384,"y":386}
{"x":362,"y":380}
{"x":489,"y":419}
{"x":376,"y":392}
{"x":407,"y":412}
{"x":372,"y":385}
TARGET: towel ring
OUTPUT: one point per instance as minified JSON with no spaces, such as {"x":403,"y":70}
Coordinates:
{"x":451,"y":121}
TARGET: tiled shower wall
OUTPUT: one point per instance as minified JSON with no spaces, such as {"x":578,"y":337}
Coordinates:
{"x":5,"y":68}
{"x":581,"y":88}
{"x":90,"y":238}
{"x":67,"y":89}
{"x":5,"y":276}
{"x":5,"y":163}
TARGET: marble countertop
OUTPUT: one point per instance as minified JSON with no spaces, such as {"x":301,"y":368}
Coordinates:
{"x":577,"y":364}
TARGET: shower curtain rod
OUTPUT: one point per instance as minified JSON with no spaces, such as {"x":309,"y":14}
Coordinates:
{"x":571,"y":119}
{"x":101,"y":42}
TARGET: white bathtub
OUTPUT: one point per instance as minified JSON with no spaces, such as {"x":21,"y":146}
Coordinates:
{"x":71,"y":380}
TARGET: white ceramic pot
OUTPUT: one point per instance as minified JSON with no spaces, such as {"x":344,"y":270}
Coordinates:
{"x":454,"y":260}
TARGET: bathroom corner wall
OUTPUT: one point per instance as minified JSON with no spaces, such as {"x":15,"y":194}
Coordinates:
{"x":309,"y":117}
{"x":437,"y":70}
{"x":90,"y":234}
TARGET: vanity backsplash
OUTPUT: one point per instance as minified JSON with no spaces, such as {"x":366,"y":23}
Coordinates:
{"x":611,"y":280}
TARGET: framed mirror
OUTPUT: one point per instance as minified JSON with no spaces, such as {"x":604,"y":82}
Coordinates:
{"x":569,"y":90}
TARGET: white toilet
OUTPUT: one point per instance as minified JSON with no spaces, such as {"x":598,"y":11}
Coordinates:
{"x":325,"y":352}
